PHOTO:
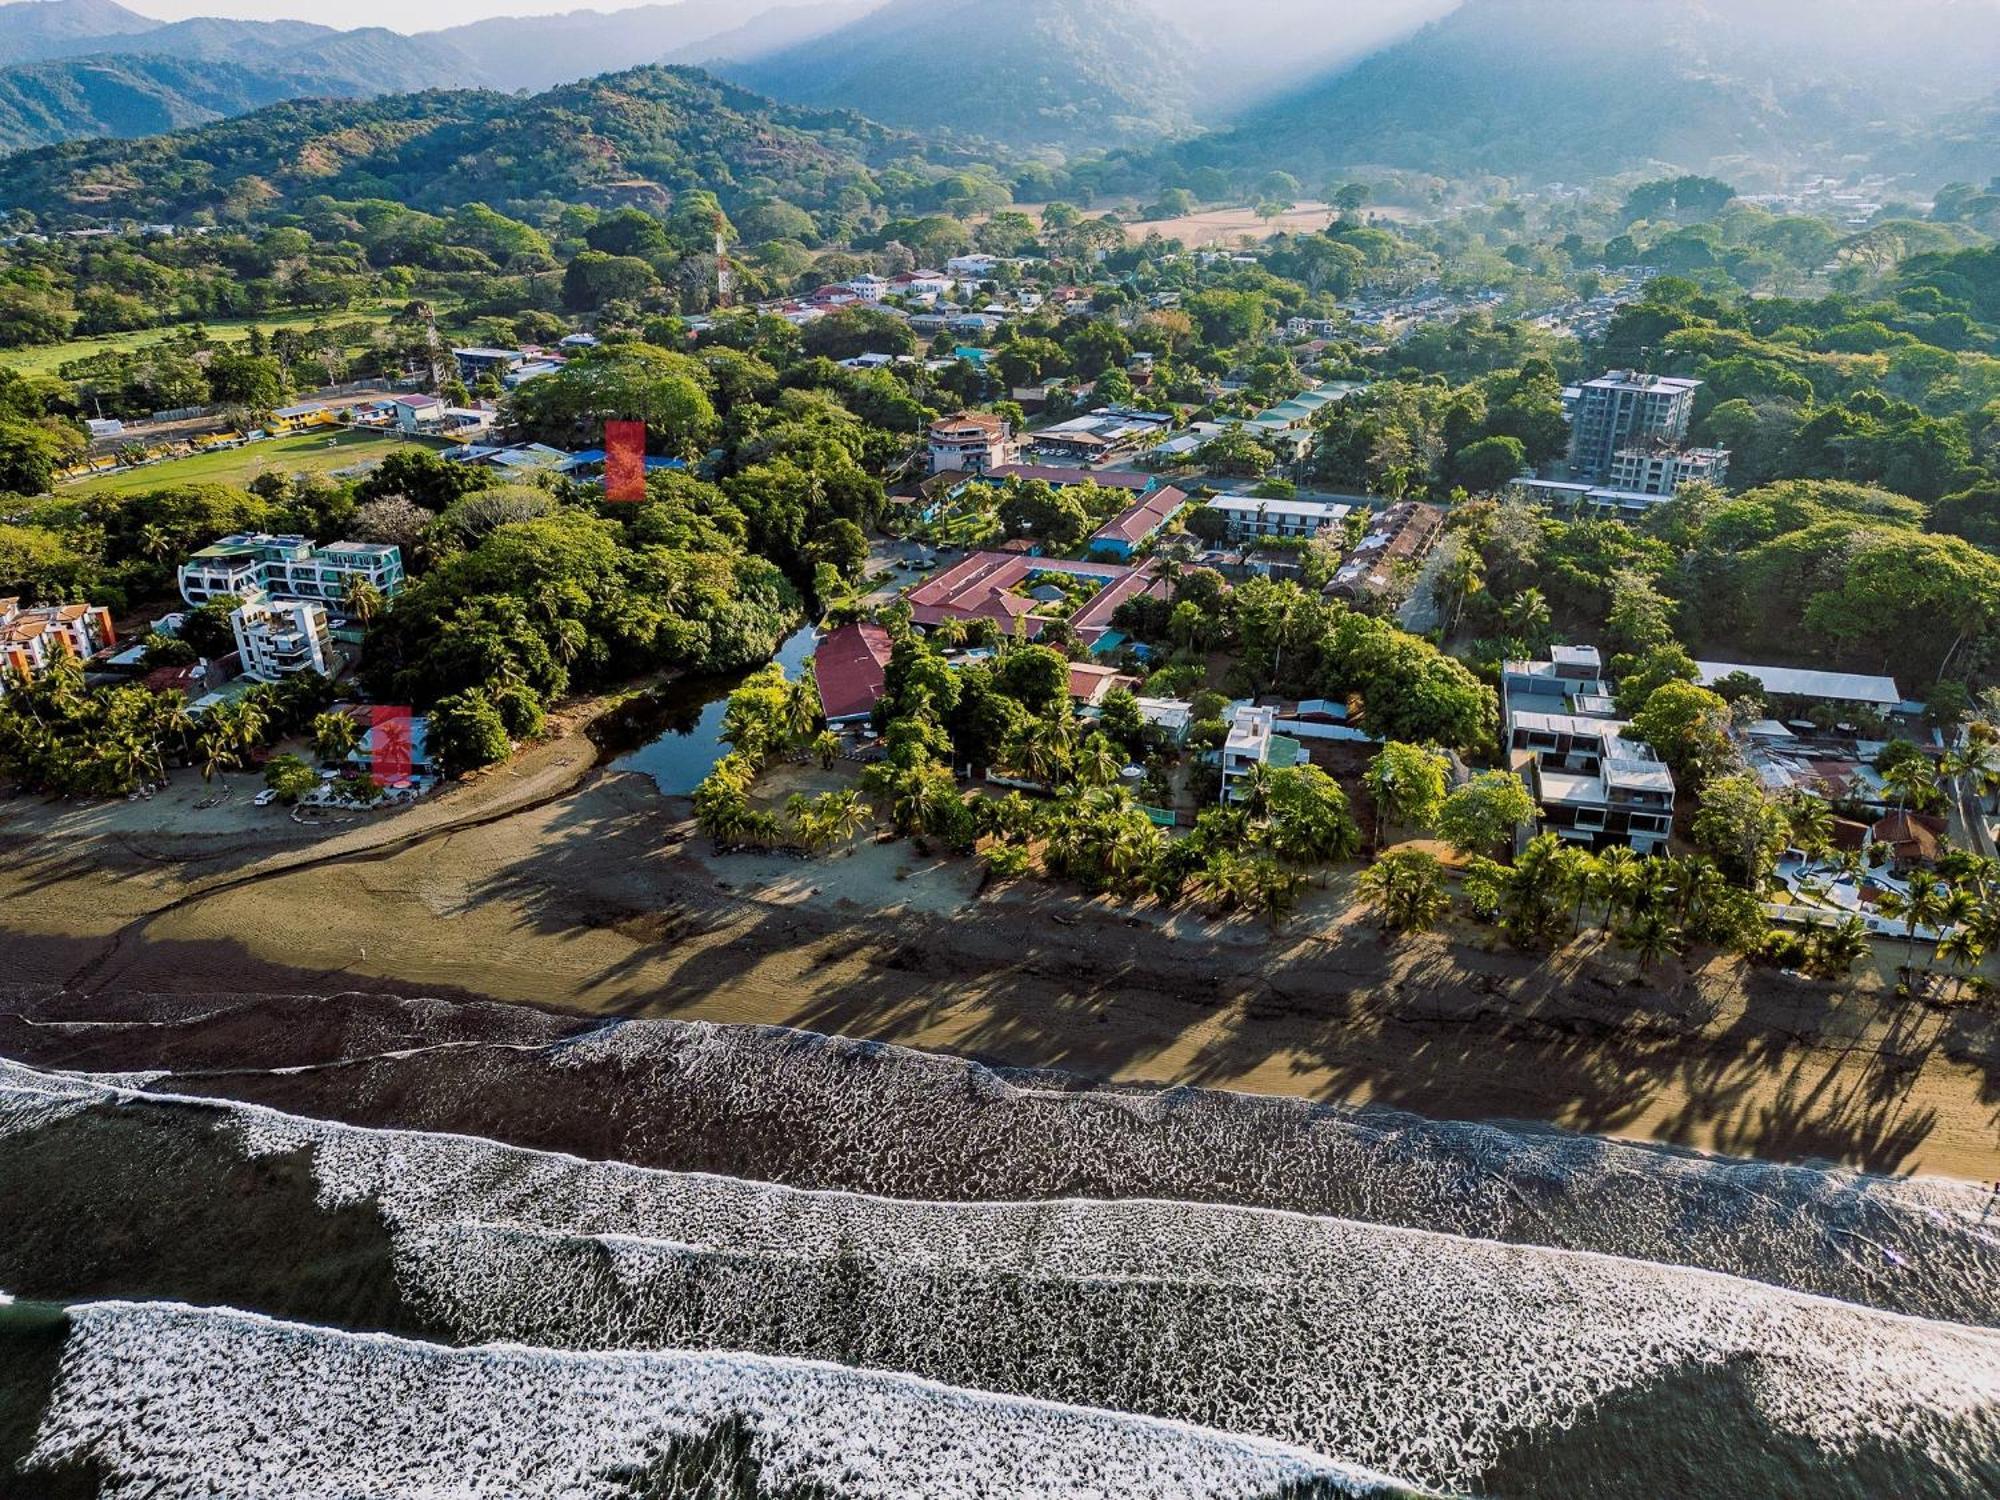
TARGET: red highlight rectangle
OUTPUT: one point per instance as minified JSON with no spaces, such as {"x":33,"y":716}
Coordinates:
{"x":625,"y":462}
{"x":391,"y":753}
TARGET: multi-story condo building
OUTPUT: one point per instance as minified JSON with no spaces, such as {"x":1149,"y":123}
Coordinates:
{"x":1657,"y":469}
{"x":971,"y":443}
{"x":32,"y":638}
{"x":1626,"y":410}
{"x":1595,"y":783}
{"x":281,"y":638}
{"x":1254,"y":741}
{"x":1571,"y":681}
{"x":254,"y":565}
{"x":1249,"y":516}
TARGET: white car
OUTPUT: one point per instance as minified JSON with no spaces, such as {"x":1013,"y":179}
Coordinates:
{"x":265,"y":798}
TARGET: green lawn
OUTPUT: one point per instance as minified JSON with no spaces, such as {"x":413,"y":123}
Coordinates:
{"x":309,"y":453}
{"x":47,"y":359}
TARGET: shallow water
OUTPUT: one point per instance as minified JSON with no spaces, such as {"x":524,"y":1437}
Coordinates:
{"x":688,"y":743}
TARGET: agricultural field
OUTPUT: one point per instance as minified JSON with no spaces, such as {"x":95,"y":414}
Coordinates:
{"x":308,"y":453}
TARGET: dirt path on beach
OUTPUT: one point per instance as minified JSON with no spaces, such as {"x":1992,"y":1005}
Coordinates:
{"x":559,"y":885}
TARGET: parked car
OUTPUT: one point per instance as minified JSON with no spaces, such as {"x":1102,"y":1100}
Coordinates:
{"x":265,"y":798}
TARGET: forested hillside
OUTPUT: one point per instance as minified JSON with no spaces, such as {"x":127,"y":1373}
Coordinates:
{"x":634,"y":137}
{"x":1019,"y":71}
{"x":141,"y":94}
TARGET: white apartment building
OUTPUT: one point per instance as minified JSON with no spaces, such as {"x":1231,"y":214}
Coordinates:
{"x":1655,"y":469}
{"x":1254,"y":741}
{"x":1596,"y":786}
{"x":971,"y":443}
{"x":281,"y":638}
{"x":1249,"y":516}
{"x":255,"y":565}
{"x":32,"y":638}
{"x":1595,"y":783}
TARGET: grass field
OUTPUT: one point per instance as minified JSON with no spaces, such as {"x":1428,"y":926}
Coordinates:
{"x":50,"y":358}
{"x":309,"y":453}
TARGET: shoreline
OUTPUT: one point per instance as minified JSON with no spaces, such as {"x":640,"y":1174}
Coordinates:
{"x":561,"y":883}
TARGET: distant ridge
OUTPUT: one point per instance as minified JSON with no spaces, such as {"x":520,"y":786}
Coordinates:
{"x":537,"y":52}
{"x":1021,"y":72}
{"x":1578,"y":89}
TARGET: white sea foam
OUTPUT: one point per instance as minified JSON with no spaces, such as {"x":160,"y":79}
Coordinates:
{"x":181,"y":1404}
{"x":820,"y":1112}
{"x":1410,"y":1352}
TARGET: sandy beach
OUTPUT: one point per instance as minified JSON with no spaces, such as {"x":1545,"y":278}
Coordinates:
{"x":559,"y":884}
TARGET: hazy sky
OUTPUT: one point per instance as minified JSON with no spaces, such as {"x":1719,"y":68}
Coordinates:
{"x":1371,"y":20}
{"x":398,"y":15}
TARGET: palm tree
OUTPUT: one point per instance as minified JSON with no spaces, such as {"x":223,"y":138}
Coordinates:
{"x":1576,"y":876}
{"x":800,"y":715}
{"x":723,"y":814}
{"x":132,"y":756}
{"x":1527,"y":617}
{"x":923,"y":799}
{"x":1039,"y":752}
{"x":1956,"y":910}
{"x":1098,"y":764}
{"x":334,"y":736}
{"x":362,"y":600}
{"x":826,"y":748}
{"x":1917,"y":909}
{"x":1533,"y":917}
{"x":1253,"y":791}
{"x":1811,"y":822}
{"x":1273,"y":891}
{"x":157,"y":543}
{"x":845,"y":814}
{"x":214,"y":745}
{"x":1617,"y":881}
{"x":1911,"y":780}
{"x":1841,"y":946}
{"x":1650,"y":936}
{"x":1961,"y":949}
{"x":1407,"y":891}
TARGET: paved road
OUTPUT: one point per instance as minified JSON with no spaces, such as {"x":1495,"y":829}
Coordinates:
{"x":1974,"y":832}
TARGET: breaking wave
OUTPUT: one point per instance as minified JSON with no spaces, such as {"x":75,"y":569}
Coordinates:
{"x":1435,"y":1357}
{"x":172,"y":1403}
{"x":816,"y":1112}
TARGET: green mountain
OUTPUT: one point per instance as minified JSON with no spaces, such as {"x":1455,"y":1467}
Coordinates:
{"x":1577,"y":89}
{"x":46,"y":30}
{"x":1023,"y":72}
{"x":46,"y":102}
{"x":538,"y":52}
{"x":638,"y":137}
{"x":137,"y":94}
{"x":37,"y":29}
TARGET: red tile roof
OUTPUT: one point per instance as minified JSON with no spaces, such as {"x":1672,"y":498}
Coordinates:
{"x":1142,"y":520}
{"x":1110,"y":479}
{"x":850,"y":666}
{"x":1089,"y":684}
{"x":981,"y":588}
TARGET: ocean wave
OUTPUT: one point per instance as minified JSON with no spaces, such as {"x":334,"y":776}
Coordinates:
{"x":818,"y":1112}
{"x":1406,"y":1351}
{"x":175,"y":1403}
